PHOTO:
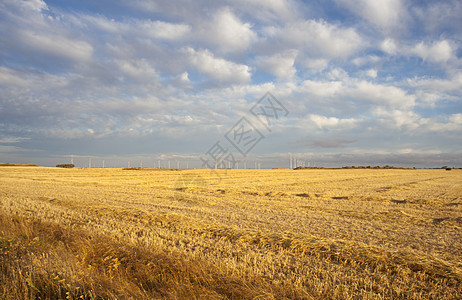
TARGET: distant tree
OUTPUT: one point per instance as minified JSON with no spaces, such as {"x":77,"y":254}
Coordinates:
{"x":69,"y":166}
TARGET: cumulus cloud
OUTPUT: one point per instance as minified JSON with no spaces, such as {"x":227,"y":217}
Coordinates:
{"x":323,"y":122}
{"x":57,"y":45}
{"x":452,"y":123}
{"x":366,"y":60}
{"x":389,"y":46}
{"x":36,"y":35}
{"x":397,"y":118}
{"x":218,"y":68}
{"x":344,"y":93}
{"x":32,"y":5}
{"x":27,"y":81}
{"x":35,"y":4}
{"x":451,"y":84}
{"x":372,"y":73}
{"x":439,"y":52}
{"x":269,"y":10}
{"x":137,"y":68}
{"x":431,"y":91}
{"x":316,"y":65}
{"x":226,"y":31}
{"x":134,"y":27}
{"x":319,"y":38}
{"x":386,"y":14}
{"x":182,"y":81}
{"x":280,"y":64}
{"x":380,"y":94}
{"x":165,"y":30}
{"x":321,"y":88}
{"x":439,"y":16}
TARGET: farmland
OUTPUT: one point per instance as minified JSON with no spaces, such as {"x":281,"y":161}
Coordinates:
{"x":230,"y":234}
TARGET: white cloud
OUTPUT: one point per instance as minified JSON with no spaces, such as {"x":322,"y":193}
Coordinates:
{"x":337,"y":74}
{"x":389,"y":46}
{"x":456,"y":119}
{"x":57,"y":45}
{"x":414,"y":124}
{"x":341,"y":92}
{"x":366,"y":60}
{"x":439,"y":16}
{"x":321,"y":88}
{"x":182,"y":81}
{"x":372,"y":73}
{"x":428,"y":98}
{"x":164,"y":30}
{"x":417,"y":151}
{"x":380,"y":94}
{"x":319,"y":38}
{"x":453,"y":83}
{"x":35,"y":5}
{"x":184,"y":77}
{"x":218,"y":68}
{"x":226,"y":31}
{"x":385,"y":14}
{"x":11,"y":78}
{"x":269,"y":10}
{"x":453,"y":123}
{"x":240,"y":91}
{"x":137,"y":68}
{"x":315,"y":64}
{"x":134,"y":27}
{"x":323,"y":122}
{"x":31,"y":31}
{"x":398,"y":118}
{"x":100,"y":22}
{"x":438,"y":52}
{"x":280,"y":64}
{"x":432,"y":90}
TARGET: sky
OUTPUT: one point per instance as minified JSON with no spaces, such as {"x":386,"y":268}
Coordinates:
{"x":362,"y":82}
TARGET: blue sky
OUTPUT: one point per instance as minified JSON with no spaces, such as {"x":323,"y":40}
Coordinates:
{"x":365,"y":82}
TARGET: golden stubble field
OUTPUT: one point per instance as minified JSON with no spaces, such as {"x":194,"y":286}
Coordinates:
{"x":246,"y":234}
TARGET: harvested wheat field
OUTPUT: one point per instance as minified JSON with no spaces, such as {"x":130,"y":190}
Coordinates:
{"x":234,"y":234}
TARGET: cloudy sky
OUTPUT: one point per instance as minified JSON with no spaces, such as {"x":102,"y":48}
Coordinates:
{"x":364,"y":82}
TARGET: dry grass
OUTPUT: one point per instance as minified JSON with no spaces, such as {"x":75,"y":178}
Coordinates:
{"x":16,"y":165}
{"x":245,"y":234}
